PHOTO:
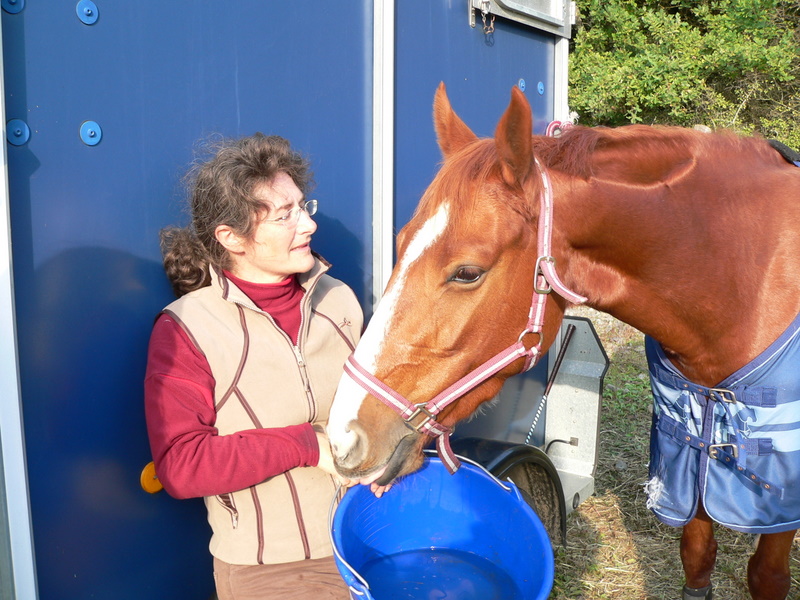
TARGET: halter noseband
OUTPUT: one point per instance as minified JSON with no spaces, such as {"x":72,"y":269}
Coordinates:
{"x":421,"y":417}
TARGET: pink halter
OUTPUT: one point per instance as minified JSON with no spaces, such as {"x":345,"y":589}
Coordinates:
{"x":421,"y":417}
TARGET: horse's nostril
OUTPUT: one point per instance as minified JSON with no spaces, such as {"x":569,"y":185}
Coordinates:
{"x":351,"y":453}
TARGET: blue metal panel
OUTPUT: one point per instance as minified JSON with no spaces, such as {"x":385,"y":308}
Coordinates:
{"x":435,"y":43}
{"x":85,"y":221}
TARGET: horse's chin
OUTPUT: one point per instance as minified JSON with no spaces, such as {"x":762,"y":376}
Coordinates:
{"x":406,"y":458}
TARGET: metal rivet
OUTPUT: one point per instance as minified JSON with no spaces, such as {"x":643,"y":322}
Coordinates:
{"x":17,"y":132}
{"x":91,"y":133}
{"x":87,"y":12}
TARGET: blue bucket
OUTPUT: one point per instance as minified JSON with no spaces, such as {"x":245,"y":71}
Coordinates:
{"x":436,"y":535}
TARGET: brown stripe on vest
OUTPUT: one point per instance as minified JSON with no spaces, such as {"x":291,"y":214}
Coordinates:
{"x":234,"y":387}
{"x":299,"y":513}
{"x":259,"y":525}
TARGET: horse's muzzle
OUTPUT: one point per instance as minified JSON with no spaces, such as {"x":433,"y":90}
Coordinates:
{"x":358,"y":461}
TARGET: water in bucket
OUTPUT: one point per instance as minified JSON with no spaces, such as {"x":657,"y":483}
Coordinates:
{"x":434,"y":535}
{"x":438,"y":574}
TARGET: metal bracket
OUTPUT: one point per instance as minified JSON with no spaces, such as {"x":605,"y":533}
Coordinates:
{"x":553,"y":16}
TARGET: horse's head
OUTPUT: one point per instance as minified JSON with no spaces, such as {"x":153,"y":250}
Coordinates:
{"x":460,"y":293}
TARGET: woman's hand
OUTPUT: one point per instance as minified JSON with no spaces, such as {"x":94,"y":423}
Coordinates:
{"x":379,"y":490}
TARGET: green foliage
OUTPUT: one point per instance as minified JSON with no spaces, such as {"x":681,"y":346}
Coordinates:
{"x":731,"y":64}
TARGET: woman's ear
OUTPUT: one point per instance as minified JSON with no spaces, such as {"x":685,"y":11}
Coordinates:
{"x":229,"y":239}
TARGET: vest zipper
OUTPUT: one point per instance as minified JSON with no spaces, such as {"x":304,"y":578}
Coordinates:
{"x":305,"y":309}
{"x":312,"y":406}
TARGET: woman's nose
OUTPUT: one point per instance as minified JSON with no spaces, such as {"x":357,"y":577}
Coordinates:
{"x":306,"y":223}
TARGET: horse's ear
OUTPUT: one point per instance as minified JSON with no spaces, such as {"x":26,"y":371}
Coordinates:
{"x":451,"y":132}
{"x":514,"y":139}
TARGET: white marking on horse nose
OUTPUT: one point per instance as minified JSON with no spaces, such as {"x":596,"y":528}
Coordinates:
{"x":346,"y":403}
{"x":350,"y":395}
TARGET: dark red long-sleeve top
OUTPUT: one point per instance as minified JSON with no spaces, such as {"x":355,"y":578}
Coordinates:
{"x":191,"y":458}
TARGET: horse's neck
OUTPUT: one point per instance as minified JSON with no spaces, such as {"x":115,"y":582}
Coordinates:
{"x":694,"y":281}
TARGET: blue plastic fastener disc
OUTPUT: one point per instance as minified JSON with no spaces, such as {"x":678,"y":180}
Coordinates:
{"x":17,"y":132}
{"x":91,"y":133}
{"x":13,"y":6}
{"x":87,"y":12}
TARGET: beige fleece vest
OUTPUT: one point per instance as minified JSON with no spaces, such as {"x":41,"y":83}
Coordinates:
{"x":263,"y":380}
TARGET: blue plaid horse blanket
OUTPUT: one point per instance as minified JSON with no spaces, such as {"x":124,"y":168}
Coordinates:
{"x":736,"y":445}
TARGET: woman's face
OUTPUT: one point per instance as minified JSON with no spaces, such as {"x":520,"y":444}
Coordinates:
{"x":277,"y":250}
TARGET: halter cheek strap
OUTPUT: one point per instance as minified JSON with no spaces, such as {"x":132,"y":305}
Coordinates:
{"x":421,"y":417}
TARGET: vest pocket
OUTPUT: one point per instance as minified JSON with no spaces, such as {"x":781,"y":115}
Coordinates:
{"x":226,"y":501}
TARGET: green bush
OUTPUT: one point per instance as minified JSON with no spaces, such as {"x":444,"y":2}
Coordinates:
{"x":731,"y":64}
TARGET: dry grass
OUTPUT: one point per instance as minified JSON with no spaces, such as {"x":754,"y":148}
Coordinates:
{"x":616,"y":548}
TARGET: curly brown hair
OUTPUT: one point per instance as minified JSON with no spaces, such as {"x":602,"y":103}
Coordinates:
{"x":222,"y":194}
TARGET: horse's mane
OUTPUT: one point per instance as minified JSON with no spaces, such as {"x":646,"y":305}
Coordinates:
{"x":573,"y":152}
{"x":576,"y":153}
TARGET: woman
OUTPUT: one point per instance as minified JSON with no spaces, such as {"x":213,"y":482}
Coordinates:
{"x":242,"y":369}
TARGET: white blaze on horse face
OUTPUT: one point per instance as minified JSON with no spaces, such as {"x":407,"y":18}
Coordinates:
{"x":349,"y":394}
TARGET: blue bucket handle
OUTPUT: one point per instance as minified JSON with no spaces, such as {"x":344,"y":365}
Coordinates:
{"x":362,"y":587}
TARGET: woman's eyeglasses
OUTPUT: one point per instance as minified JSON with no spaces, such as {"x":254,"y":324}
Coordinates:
{"x":292,"y":216}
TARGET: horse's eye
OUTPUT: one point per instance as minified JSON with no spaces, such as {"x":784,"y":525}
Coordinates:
{"x":467,"y":274}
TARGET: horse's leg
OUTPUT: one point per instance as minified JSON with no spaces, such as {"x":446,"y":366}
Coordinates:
{"x":768,"y":575}
{"x":698,"y":554}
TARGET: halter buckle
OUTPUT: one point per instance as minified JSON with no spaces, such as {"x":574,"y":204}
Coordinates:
{"x":713,"y":450}
{"x":540,"y":273}
{"x":420,"y":410}
{"x":718,"y":394}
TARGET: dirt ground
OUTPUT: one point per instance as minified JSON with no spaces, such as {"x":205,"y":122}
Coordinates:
{"x":616,"y":549}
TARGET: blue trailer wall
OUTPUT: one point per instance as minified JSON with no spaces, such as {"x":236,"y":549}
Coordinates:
{"x":88,"y":282}
{"x":434,"y":44}
{"x":85,"y":222}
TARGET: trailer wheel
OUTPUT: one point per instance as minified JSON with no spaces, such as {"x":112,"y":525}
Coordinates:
{"x":531,"y":470}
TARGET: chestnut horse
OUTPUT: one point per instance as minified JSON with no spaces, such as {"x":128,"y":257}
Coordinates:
{"x":692,"y":238}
